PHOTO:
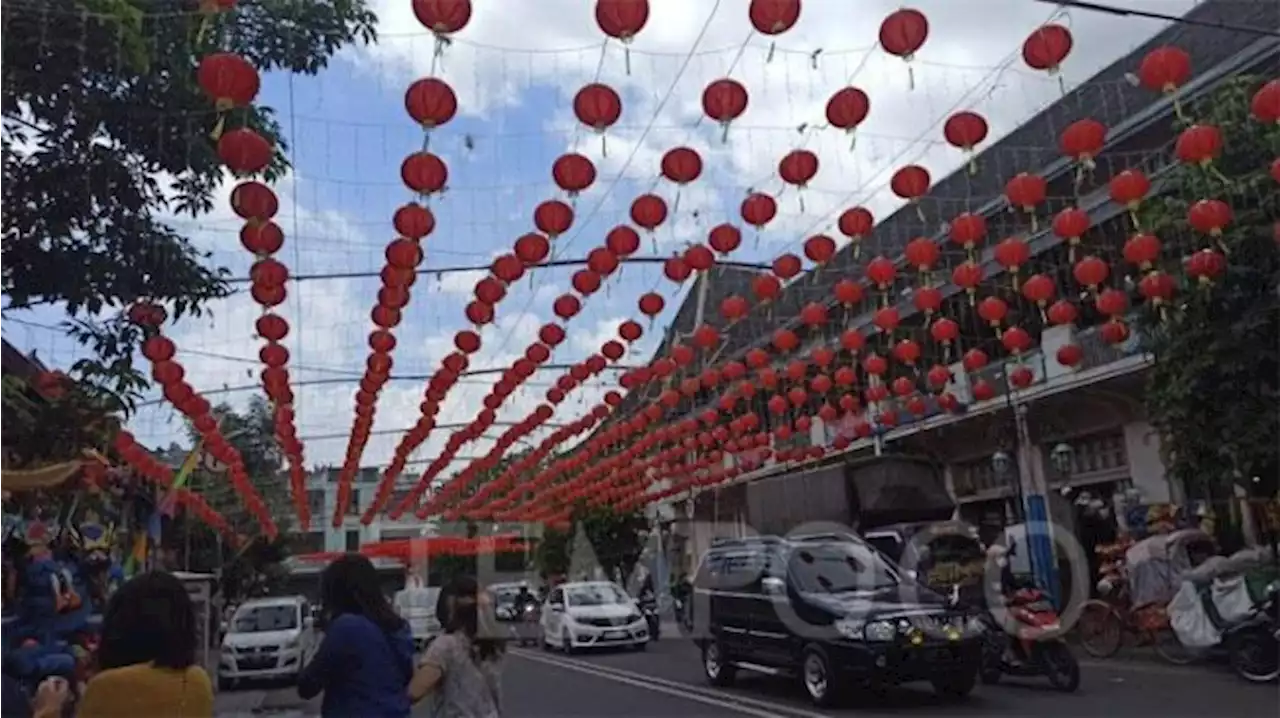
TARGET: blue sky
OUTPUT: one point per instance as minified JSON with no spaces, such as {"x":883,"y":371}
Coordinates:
{"x":515,"y":68}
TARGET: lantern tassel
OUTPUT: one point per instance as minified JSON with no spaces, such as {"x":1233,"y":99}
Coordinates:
{"x":675,"y":206}
{"x":919,"y":212}
{"x":1071,"y":251}
{"x":973,"y":164}
{"x":626,"y":54}
{"x":853,"y":140}
{"x":801,"y":197}
{"x":218,"y":127}
{"x":1035,"y":223}
{"x":604,"y":145}
{"x":857,"y":248}
{"x":773,"y":47}
{"x":911,"y":77}
{"x":1015,"y":279}
{"x":1177,"y":104}
{"x":724,"y":133}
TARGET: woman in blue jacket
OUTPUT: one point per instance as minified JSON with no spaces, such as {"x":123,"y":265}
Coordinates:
{"x":365,"y":661}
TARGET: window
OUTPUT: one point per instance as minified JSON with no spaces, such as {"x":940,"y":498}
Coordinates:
{"x":737,"y":571}
{"x":557,"y":596}
{"x":315,"y":501}
{"x":596,"y":594}
{"x":842,"y":568}
{"x":353,"y":507}
{"x":260,"y":619}
{"x":353,"y":540}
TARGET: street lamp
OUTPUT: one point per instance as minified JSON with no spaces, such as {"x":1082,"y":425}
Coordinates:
{"x":1001,"y":463}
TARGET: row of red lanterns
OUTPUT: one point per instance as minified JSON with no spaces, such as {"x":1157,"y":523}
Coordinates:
{"x":145,"y":465}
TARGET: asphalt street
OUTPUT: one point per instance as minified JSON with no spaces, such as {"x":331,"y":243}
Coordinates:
{"x":666,"y":680}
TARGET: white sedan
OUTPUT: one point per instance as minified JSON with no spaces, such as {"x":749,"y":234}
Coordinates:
{"x":591,"y":614}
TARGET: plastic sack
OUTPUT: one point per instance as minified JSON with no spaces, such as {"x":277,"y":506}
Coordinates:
{"x":1232,"y":599}
{"x":1187,"y":617}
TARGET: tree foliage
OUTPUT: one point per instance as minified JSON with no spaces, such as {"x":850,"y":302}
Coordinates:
{"x":107,"y":135}
{"x":616,"y":538}
{"x":43,"y":430}
{"x":1215,"y":386}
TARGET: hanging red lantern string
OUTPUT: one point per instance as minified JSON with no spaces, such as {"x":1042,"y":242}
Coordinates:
{"x":622,"y":20}
{"x":148,"y":467}
{"x":231,"y":82}
{"x":903,"y":33}
{"x":160,"y":351}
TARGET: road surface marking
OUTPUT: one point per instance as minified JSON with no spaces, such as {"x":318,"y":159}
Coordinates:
{"x":737,"y":702}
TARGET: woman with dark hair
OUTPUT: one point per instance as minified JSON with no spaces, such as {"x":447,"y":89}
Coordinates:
{"x":462,"y":668}
{"x":147,"y":657}
{"x":366,"y":658}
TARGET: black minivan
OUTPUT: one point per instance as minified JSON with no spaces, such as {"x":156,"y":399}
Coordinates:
{"x":832,"y":611}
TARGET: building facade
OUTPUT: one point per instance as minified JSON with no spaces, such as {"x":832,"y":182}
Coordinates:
{"x":322,"y":497}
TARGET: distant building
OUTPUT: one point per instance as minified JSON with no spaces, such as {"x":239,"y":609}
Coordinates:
{"x":322,"y":498}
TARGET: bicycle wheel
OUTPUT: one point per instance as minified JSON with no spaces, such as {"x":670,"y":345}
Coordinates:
{"x":1100,"y":628}
{"x":1171,"y":649}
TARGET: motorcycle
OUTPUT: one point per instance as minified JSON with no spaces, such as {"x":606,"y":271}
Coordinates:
{"x":1253,"y":645}
{"x":528,"y":625}
{"x":1038,"y":649}
{"x":649,"y":609}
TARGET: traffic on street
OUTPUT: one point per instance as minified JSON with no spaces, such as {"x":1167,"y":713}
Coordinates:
{"x":667,"y":680}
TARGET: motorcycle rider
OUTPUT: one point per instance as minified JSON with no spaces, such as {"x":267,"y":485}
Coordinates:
{"x":524,"y":597}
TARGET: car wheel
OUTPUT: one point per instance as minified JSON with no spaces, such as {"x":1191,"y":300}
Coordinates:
{"x":715,"y":664}
{"x":566,"y":642}
{"x":226,"y":684}
{"x":955,"y":686}
{"x":818,"y":677}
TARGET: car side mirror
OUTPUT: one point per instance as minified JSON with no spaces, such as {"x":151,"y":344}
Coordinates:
{"x":773,"y":585}
{"x":556,"y":607}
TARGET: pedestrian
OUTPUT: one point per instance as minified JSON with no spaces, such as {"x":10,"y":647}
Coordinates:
{"x":462,"y":670}
{"x":146,"y":660}
{"x":365,"y":660}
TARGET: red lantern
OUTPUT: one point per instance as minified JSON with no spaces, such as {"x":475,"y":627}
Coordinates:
{"x":1199,"y":145}
{"x":820,"y":248}
{"x":813,"y":314}
{"x":159,"y":348}
{"x":1209,"y":216}
{"x":766,"y":287}
{"x":1165,"y":69}
{"x":1038,"y":289}
{"x":944,"y":331}
{"x":431,"y":102}
{"x":785,"y":340}
{"x":404,"y":253}
{"x":1071,"y":224}
{"x":1112,"y":302}
{"x":1083,"y":140}
{"x":848,"y":108}
{"x":847,"y":292}
{"x":798,"y":167}
{"x":851,"y":340}
{"x":648,"y":211}
{"x":1265,"y":104}
{"x":886,"y":319}
{"x":424,"y":173}
{"x":758,"y":209}
{"x":566,"y":306}
{"x":1021,"y":377}
{"x":552,"y":334}
{"x":1114,"y":332}
{"x":585,"y":282}
{"x":467,"y":341}
{"x":1129,"y":188}
{"x":651,"y":304}
{"x":927,"y":300}
{"x":597,"y":106}
{"x":967,"y":276}
{"x":1157,"y":288}
{"x":1046,"y":48}
{"x":910,"y":182}
{"x":965,"y":130}
{"x":922,"y":253}
{"x":1016,"y":340}
{"x":487,"y":290}
{"x":724,"y":238}
{"x":734,"y":308}
{"x":1070,"y":355}
{"x":856,"y":223}
{"x":699,"y":258}
{"x":532,"y":248}
{"x":1012,"y":254}
{"x":254,"y":201}
{"x":414,"y":221}
{"x":724,"y":101}
{"x":786,"y":266}
{"x":903,"y":33}
{"x":681,"y":165}
{"x":1091,"y":272}
{"x":968,"y":230}
{"x":974,"y":360}
{"x":602,"y":261}
{"x":262,"y":239}
{"x":228,"y":79}
{"x":1026,"y":191}
{"x":676,"y":270}
{"x":1062,"y":313}
{"x":622,"y":241}
{"x":1206,"y":265}
{"x":573,"y":173}
{"x":882,"y":272}
{"x":443,"y":17}
{"x":244,"y":151}
{"x":271,"y":327}
{"x":993,"y":311}
{"x":553,"y":218}
{"x":630,"y":331}
{"x":907,"y":352}
{"x":1142,"y":250}
{"x":902,"y":386}
{"x":508,"y":268}
{"x":773,"y":17}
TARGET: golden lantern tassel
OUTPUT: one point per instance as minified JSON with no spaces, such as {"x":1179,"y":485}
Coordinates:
{"x":1015,"y":279}
{"x":857,"y":248}
{"x":911,"y":76}
{"x":853,"y":140}
{"x":1177,"y":102}
{"x":1164,"y":314}
{"x":972,"y":301}
{"x":773,"y":46}
{"x":919,"y":212}
{"x":1071,"y":250}
{"x":1035,"y":222}
{"x":724,"y":133}
{"x":218,"y":127}
{"x":973,"y":164}
{"x":604,"y":145}
{"x":626,"y":54}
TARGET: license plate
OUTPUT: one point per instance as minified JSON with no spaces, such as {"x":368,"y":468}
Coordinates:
{"x":941,"y":655}
{"x":615,"y":634}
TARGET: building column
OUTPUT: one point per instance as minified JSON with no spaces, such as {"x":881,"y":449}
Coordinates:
{"x":1035,"y":490}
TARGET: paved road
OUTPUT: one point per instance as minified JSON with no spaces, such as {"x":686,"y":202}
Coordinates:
{"x":666,"y":681}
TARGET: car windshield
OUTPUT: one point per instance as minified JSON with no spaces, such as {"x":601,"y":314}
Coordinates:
{"x":841,"y":568}
{"x":257,"y":619}
{"x":417,"y":599}
{"x":505,"y":596}
{"x":595,"y":595}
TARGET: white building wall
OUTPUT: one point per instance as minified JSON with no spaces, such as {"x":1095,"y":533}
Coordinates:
{"x":1146,"y":469}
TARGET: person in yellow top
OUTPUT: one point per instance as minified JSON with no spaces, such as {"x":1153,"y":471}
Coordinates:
{"x":146,"y":659}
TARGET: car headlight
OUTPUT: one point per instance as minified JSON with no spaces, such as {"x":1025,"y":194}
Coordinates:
{"x":975,"y":625}
{"x":850,"y":628}
{"x":880,"y":631}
